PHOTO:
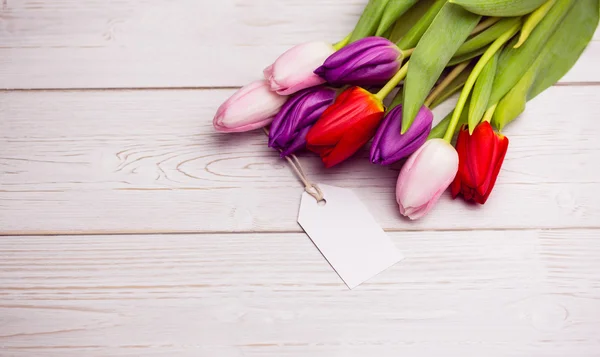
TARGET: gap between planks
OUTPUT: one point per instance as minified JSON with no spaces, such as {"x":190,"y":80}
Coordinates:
{"x":157,"y":232}
{"x":206,"y":88}
{"x":124,"y":89}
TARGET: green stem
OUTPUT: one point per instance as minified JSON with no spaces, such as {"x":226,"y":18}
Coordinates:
{"x":489,"y":53}
{"x":446,"y":82}
{"x":490,"y":113}
{"x":342,"y":43}
{"x":407,"y":53}
{"x":533,"y":20}
{"x":389,"y":87}
{"x":484,"y":25}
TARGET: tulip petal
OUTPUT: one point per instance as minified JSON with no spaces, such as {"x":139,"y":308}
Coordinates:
{"x":299,"y":113}
{"x":260,"y":102}
{"x":348,"y":124}
{"x":390,"y":146}
{"x":251,"y":107}
{"x":425,"y":176}
{"x":294,"y":69}
{"x":298,"y":142}
{"x":244,"y":128}
{"x":369,"y":61}
{"x":353,"y":103}
{"x":355,"y":137}
{"x":500,"y":153}
{"x":461,"y":149}
{"x":481,"y":150}
{"x":480,"y":158}
{"x":354,"y":49}
{"x":374,"y":57}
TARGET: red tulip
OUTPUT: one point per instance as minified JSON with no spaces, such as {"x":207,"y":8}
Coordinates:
{"x":347,"y":125}
{"x":480,"y":159}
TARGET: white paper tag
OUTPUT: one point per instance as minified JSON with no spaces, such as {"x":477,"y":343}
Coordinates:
{"x":347,"y":235}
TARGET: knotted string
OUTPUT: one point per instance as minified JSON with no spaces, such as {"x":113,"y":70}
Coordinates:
{"x":310,"y":188}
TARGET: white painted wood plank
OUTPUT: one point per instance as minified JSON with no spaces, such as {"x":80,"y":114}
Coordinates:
{"x":149,"y":161}
{"x":485,"y":293}
{"x":159,"y":43}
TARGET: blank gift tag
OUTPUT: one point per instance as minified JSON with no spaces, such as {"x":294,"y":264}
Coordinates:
{"x":347,"y":235}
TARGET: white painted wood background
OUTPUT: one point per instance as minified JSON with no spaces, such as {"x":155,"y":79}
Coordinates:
{"x":129,"y":228}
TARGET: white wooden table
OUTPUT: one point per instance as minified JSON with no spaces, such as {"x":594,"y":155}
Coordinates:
{"x":130,"y":228}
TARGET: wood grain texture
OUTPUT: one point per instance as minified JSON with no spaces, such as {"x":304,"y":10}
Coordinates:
{"x":161,"y":43}
{"x":485,"y":293}
{"x":150,"y":161}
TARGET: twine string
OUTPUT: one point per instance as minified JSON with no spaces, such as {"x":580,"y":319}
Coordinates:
{"x":310,"y":187}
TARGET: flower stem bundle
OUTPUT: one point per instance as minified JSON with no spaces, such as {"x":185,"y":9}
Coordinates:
{"x":498,"y":54}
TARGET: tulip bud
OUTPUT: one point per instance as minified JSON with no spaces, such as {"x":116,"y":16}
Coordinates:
{"x":390,"y":146}
{"x":251,"y":107}
{"x":298,"y":114}
{"x":294,"y":70}
{"x":480,"y":158}
{"x":347,"y":125}
{"x":366,"y":62}
{"x":424,"y":177}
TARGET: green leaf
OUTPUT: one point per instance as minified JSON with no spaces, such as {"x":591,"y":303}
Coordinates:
{"x":481,"y":92}
{"x":409,"y":19}
{"x":533,"y":20}
{"x":369,"y":20}
{"x":500,"y":7}
{"x":438,"y":131}
{"x":412,"y":38}
{"x":514,"y":62}
{"x":560,"y":53}
{"x":481,"y":63}
{"x":486,"y":37}
{"x":513,"y":103}
{"x":567,"y":44}
{"x":393,"y":10}
{"x":458,"y":59}
{"x":454,"y":86}
{"x":447,"y":32}
{"x":387,"y":34}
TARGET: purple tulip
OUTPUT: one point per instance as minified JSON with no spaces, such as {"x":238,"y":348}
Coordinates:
{"x":366,"y":62}
{"x":390,"y":146}
{"x":296,"y":117}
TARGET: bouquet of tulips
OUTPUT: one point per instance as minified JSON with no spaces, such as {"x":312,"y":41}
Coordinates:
{"x":415,"y":54}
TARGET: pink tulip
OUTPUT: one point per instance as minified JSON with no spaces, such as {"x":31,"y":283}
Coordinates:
{"x":425,"y":176}
{"x":294,"y":70}
{"x":251,"y":107}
